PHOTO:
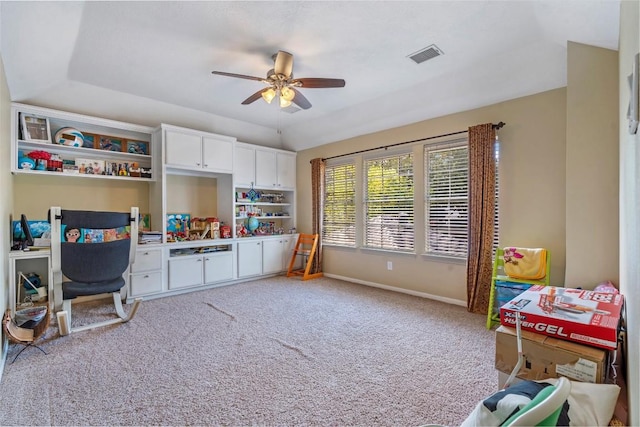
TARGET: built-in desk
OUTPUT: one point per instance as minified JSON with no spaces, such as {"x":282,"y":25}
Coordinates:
{"x":37,"y":260}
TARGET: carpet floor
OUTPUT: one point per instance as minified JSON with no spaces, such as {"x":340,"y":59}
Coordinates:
{"x":272,"y":352}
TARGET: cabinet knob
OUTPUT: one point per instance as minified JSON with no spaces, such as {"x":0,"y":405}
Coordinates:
{"x":199,"y":259}
{"x":197,"y":164}
{"x":146,"y":276}
{"x":146,"y":253}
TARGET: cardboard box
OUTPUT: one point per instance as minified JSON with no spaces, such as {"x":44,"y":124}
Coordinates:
{"x":586,"y":317}
{"x":547,"y":357}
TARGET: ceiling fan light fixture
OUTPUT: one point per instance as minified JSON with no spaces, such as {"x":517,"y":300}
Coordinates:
{"x":268,"y":95}
{"x":287,"y":93}
{"x":284,"y":103}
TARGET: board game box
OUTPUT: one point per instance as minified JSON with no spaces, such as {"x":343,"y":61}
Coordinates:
{"x":578,"y":315}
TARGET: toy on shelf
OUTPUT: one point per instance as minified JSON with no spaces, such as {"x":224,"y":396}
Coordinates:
{"x":40,"y":157}
{"x":70,"y":137}
{"x":25,"y":162}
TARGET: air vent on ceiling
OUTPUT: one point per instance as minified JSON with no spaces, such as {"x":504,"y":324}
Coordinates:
{"x":425,"y":54}
{"x":290,"y":109}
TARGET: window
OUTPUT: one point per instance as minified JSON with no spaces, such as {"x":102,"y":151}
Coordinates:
{"x":339,"y":222}
{"x":446,"y":200}
{"x":388,"y":203}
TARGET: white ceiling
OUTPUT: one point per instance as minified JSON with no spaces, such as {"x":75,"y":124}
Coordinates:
{"x":111,"y":56}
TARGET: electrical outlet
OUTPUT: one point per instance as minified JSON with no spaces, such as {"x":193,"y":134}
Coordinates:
{"x":389,"y":265}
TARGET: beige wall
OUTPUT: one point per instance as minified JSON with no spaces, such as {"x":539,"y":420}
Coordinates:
{"x":33,"y":195}
{"x":198,"y":194}
{"x":630,"y":205}
{"x":6,"y":193}
{"x":532,"y":202}
{"x":592,"y":166}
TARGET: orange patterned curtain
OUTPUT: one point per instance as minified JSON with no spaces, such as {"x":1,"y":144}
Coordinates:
{"x":317,"y":201}
{"x":482,"y":181}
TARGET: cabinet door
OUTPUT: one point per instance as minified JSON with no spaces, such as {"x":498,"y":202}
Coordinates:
{"x":185,"y":272}
{"x":272,"y":254}
{"x":147,"y":260}
{"x":249,"y":259}
{"x":266,"y":172}
{"x":218,"y":267}
{"x":289,"y":244}
{"x":217,"y":155}
{"x":286,"y":167}
{"x":244,"y":166}
{"x":183,"y":149}
{"x":146,"y":283}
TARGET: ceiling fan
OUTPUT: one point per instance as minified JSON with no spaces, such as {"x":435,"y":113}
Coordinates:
{"x":280,"y":82}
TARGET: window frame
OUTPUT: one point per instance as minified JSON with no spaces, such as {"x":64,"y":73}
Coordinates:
{"x":348,"y":242}
{"x":403,"y":230}
{"x":446,"y":145}
{"x":455,"y":144}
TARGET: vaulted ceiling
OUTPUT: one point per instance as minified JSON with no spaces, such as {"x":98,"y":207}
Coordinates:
{"x":55,"y":53}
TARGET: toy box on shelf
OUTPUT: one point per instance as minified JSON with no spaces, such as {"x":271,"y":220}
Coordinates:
{"x":587,"y":317}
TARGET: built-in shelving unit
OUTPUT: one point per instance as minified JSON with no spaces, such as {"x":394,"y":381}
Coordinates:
{"x":272,"y":209}
{"x":198,"y":173}
{"x":113,"y":163}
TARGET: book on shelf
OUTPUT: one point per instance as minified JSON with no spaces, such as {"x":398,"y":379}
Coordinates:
{"x":149,"y":237}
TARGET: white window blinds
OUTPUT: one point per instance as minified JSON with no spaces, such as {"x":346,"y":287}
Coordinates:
{"x":388,"y":203}
{"x":446,"y":198}
{"x":339,"y":219}
{"x":446,"y":201}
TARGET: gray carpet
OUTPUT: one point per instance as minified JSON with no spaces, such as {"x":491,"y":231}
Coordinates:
{"x":270,"y":352}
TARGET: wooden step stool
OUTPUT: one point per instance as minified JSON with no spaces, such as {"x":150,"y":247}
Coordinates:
{"x":306,"y":247}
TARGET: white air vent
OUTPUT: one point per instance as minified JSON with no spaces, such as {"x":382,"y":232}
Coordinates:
{"x":425,"y":54}
{"x":291,"y":109}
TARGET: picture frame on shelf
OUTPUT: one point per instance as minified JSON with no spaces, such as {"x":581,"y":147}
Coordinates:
{"x":35,"y":128}
{"x":69,"y":166}
{"x":91,"y":140}
{"x":178,"y":222}
{"x":90,"y":166}
{"x":110,"y":143}
{"x":144,"y":222}
{"x":136,"y":147}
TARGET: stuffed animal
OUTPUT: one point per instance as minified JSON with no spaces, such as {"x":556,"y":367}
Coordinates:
{"x":26,"y":163}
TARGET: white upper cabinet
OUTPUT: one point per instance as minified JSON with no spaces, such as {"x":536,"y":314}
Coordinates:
{"x":188,"y":149}
{"x":244,"y":165}
{"x":275,"y":169}
{"x":286,"y":170}
{"x":183,"y":149}
{"x":217,"y":154}
{"x":266,"y":168}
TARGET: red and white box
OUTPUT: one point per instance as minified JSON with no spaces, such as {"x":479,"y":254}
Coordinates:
{"x":587,"y":317}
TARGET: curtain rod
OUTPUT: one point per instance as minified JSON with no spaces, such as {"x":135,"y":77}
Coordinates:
{"x":495,"y":126}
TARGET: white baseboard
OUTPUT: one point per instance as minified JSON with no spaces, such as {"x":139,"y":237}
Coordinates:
{"x":401,"y":290}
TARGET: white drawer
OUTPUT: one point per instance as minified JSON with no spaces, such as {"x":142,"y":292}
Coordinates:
{"x":146,"y":283}
{"x":147,"y":260}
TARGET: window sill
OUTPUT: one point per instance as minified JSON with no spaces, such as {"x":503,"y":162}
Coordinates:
{"x":444,"y":259}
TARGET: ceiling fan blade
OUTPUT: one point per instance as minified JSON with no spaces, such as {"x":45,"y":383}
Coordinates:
{"x":300,"y":100}
{"x":254,"y":97}
{"x":283,"y":63}
{"x":240,"y":76}
{"x":312,"y":82}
